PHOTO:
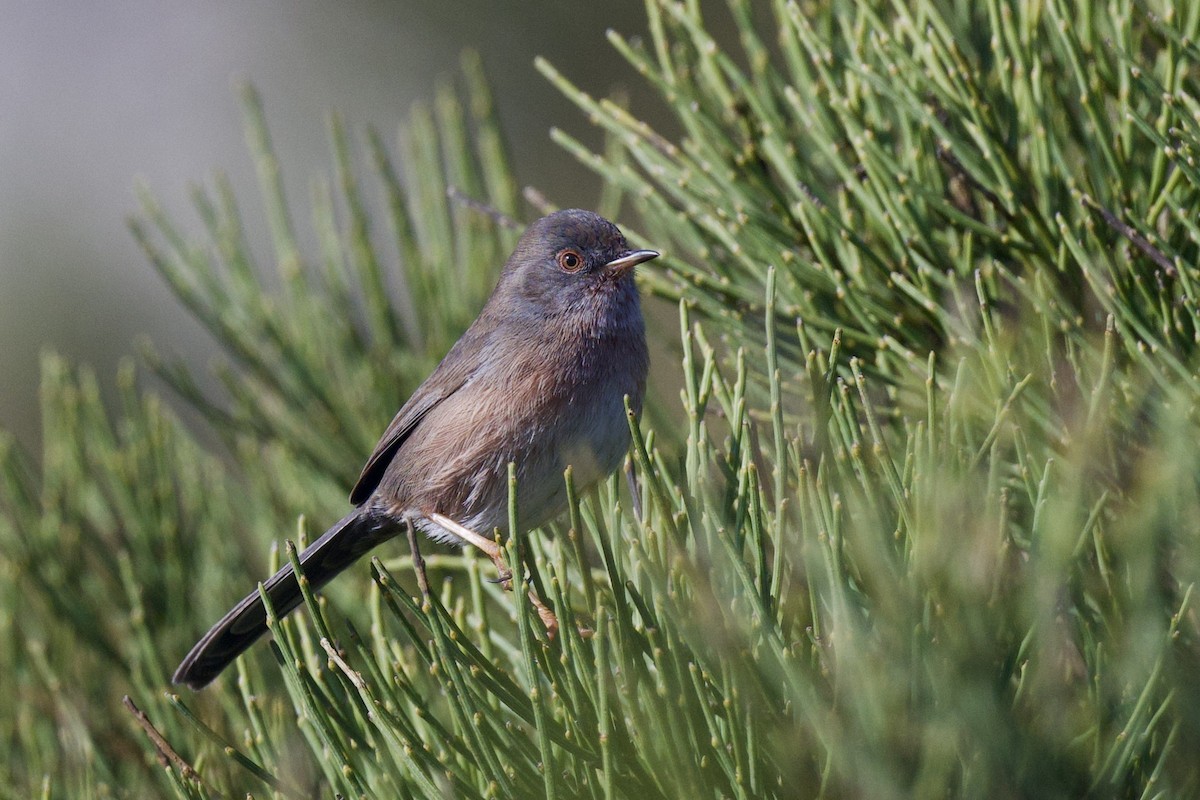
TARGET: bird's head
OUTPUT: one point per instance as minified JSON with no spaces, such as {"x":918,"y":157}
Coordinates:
{"x":572,"y":261}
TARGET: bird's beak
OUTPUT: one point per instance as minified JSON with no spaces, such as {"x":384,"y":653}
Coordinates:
{"x":619,"y":266}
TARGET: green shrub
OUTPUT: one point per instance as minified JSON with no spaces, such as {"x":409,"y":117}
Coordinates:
{"x":929,"y":524}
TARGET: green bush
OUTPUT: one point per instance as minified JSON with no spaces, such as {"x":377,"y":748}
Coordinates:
{"x":928,"y":525}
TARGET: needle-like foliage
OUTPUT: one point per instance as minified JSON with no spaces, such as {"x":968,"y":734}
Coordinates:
{"x":931,"y":527}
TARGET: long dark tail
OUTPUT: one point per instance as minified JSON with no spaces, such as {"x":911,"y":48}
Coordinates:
{"x":338,"y":548}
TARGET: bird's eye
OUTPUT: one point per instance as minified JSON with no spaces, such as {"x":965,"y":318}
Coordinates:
{"x":570,"y":260}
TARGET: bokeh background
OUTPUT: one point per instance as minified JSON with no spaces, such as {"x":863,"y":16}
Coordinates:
{"x":97,"y":96}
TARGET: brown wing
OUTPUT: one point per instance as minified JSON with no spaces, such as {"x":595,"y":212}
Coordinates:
{"x":449,"y":376}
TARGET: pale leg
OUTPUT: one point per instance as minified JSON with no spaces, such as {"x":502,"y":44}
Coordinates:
{"x":491,"y":548}
{"x":418,"y":561}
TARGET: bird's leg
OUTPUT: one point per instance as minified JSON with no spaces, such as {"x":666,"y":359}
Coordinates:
{"x":418,"y":561}
{"x":635,"y":496}
{"x":491,"y":548}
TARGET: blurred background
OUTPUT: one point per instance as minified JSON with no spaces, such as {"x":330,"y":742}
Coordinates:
{"x":97,"y":96}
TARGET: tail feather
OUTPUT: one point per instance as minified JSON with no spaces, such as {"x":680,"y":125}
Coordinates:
{"x":338,"y":548}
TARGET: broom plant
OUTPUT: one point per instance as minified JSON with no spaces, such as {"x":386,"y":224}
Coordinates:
{"x":927,"y":524}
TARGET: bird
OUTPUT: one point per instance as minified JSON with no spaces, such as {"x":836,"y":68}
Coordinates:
{"x":538,"y":380}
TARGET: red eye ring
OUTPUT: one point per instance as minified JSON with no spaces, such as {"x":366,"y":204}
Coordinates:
{"x":570,"y":260}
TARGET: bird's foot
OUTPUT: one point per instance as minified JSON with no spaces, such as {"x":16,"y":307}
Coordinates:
{"x":546,"y":614}
{"x":491,"y":548}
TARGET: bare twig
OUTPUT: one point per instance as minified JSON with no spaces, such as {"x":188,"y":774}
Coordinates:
{"x":166,"y":754}
{"x":355,"y":677}
{"x":1139,"y":241}
{"x":496,"y":215}
{"x":535,"y":198}
{"x":961,"y":181}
